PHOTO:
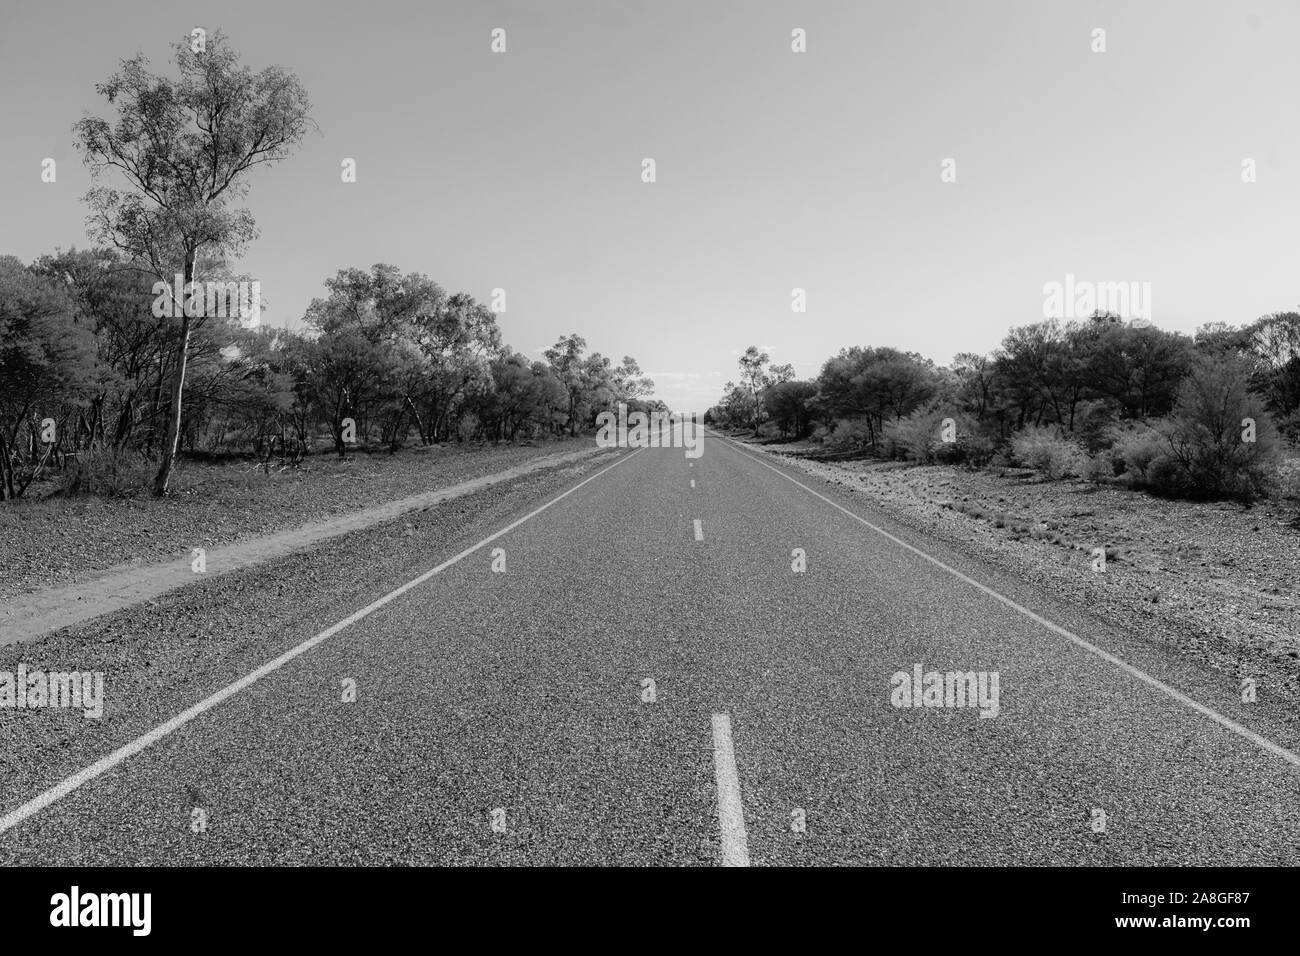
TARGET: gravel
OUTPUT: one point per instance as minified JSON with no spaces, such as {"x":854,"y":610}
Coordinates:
{"x":54,"y":542}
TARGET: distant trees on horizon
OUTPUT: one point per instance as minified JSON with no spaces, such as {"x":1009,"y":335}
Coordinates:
{"x":1085,"y":388}
{"x":395,"y":356}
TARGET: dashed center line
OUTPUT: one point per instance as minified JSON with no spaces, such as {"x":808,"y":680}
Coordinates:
{"x":731,"y":811}
{"x":699,"y":530}
{"x":692,"y":482}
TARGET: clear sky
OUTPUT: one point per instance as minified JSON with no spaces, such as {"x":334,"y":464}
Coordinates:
{"x":775,"y":170}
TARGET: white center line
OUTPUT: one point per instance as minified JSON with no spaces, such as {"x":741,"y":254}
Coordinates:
{"x":731,"y":811}
{"x":692,"y":482}
{"x":105,"y":764}
{"x":699,"y":530}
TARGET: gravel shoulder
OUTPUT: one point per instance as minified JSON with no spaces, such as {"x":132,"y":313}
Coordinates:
{"x":1215,"y":582}
{"x":55,"y":542}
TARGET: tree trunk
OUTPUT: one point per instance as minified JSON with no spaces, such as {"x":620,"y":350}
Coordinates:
{"x":394,"y":441}
{"x":336,"y":432}
{"x":6,"y":471}
{"x":419,"y":422}
{"x":173,"y":437}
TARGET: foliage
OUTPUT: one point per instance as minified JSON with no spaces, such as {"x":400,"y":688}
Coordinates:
{"x":1211,"y":453}
{"x":184,"y":148}
{"x":1045,"y":451}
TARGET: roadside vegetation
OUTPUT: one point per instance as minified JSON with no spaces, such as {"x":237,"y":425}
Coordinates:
{"x":1104,"y":400}
{"x":102,"y":395}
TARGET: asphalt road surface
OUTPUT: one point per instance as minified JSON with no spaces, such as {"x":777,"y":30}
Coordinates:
{"x":649,"y":681}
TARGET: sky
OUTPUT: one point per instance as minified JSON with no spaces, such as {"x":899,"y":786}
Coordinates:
{"x":775,"y":170}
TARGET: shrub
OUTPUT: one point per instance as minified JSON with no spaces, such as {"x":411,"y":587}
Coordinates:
{"x":1167,"y":477}
{"x":849,"y":432}
{"x":1135,"y":449}
{"x":971,"y":446}
{"x":919,"y":437}
{"x":1208,"y":454}
{"x":1045,"y":451}
{"x":1094,"y":425}
{"x":112,"y":472}
{"x":1288,"y":478}
{"x":1289,"y":426}
{"x":915,"y":436}
{"x":1099,"y":467}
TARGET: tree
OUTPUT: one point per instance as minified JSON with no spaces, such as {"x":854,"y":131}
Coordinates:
{"x":1137,"y":368}
{"x":629,"y":381}
{"x":736,"y":407}
{"x":459,"y":339}
{"x":875,"y":384}
{"x":47,"y":367}
{"x":115,"y":298}
{"x":356,"y":358}
{"x":974,"y":382}
{"x":592,"y":382}
{"x":566,"y":361}
{"x":1041,"y":372}
{"x":521,"y":393}
{"x":789,"y":403}
{"x":1276,"y":340}
{"x":184,"y":148}
{"x":780,"y":373}
{"x":1213,"y":338}
{"x":754,"y":378}
{"x":1210,"y":450}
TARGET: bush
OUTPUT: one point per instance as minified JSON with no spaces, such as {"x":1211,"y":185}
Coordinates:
{"x":849,"y":432}
{"x":915,"y":437}
{"x":1135,"y":449}
{"x":1045,"y":451}
{"x":1094,"y":425}
{"x":1288,"y":478}
{"x":112,"y":472}
{"x":1168,"y":478}
{"x":919,"y":437}
{"x":1209,"y":454}
{"x":1099,"y":467}
{"x":971,"y":448}
{"x":1289,"y":426}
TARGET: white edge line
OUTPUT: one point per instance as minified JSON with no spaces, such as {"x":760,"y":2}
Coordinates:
{"x":731,"y":809}
{"x":125,"y":752}
{"x":1228,"y":722}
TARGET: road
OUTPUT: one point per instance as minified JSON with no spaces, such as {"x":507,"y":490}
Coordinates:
{"x":507,"y":717}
